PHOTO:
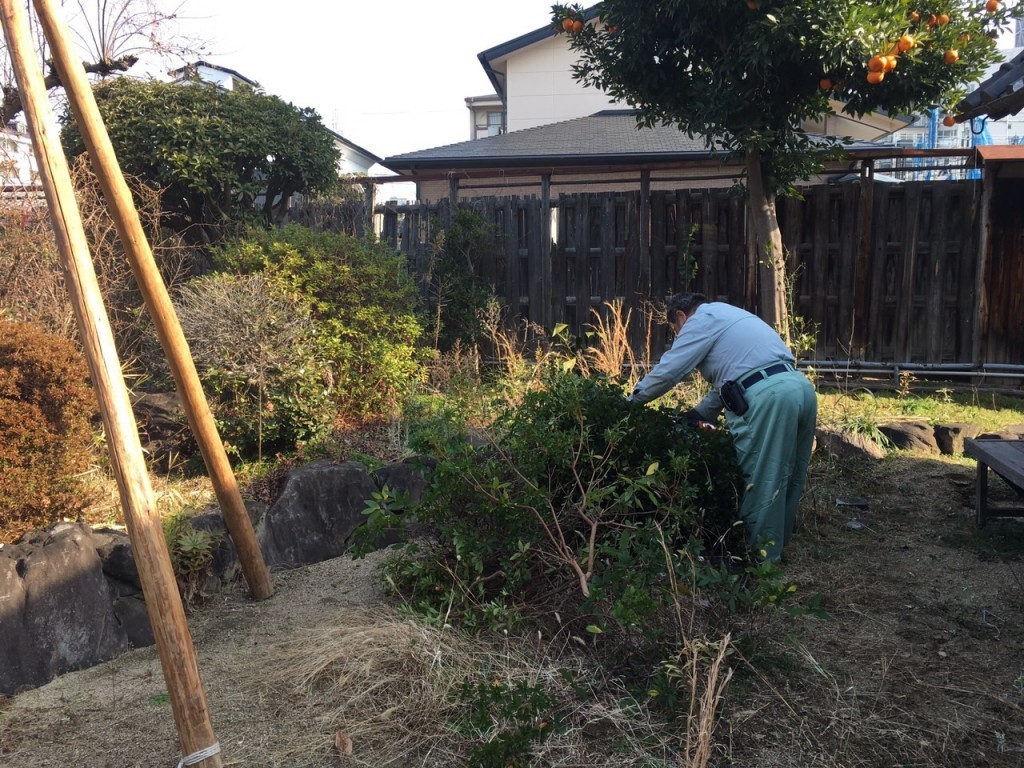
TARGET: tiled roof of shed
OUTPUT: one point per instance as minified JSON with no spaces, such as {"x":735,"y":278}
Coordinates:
{"x":1000,"y":95}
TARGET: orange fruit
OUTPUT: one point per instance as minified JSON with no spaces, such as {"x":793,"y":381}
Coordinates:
{"x":752,"y":5}
{"x":876,"y":64}
{"x":907,"y":41}
{"x":567,"y":24}
{"x":933,"y":20}
{"x":992,"y":6}
{"x":943,"y":19}
{"x":876,"y":77}
{"x":952,"y":56}
{"x":577,"y":26}
{"x":890,"y":63}
{"x":915,"y":16}
{"x":964,"y":37}
{"x":949,"y":121}
{"x":825,"y":84}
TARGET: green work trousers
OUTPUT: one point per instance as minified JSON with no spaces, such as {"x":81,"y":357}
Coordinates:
{"x":773,"y":442}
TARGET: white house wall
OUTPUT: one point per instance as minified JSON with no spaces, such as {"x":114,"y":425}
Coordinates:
{"x":541,"y":89}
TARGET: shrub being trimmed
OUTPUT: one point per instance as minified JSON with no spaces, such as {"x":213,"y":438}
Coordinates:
{"x":45,"y":434}
{"x":585,"y":504}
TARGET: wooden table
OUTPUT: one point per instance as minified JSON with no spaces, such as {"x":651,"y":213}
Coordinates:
{"x":1006,"y":459}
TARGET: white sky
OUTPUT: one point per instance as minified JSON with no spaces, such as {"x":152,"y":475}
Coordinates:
{"x":391,"y":77}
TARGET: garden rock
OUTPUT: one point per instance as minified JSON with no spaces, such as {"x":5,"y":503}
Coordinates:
{"x":115,"y":552}
{"x":950,"y":437}
{"x":848,"y":445}
{"x":56,"y":609}
{"x":911,"y":436}
{"x":133,"y":615}
{"x":320,"y":506}
{"x":70,"y":597}
{"x":1012,"y":432}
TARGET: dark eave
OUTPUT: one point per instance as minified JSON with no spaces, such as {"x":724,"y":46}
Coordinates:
{"x":1000,"y":95}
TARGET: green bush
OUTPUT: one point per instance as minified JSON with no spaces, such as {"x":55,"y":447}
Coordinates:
{"x":45,"y":434}
{"x":457,"y":295}
{"x":581,"y":493}
{"x":363,"y":300}
{"x":257,"y":351}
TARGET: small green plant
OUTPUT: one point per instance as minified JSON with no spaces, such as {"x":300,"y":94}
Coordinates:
{"x":506,"y":718}
{"x":861,"y":424}
{"x":159,"y":700}
{"x":803,"y":333}
{"x":191,"y":551}
{"x":383,"y":512}
{"x":905,"y":381}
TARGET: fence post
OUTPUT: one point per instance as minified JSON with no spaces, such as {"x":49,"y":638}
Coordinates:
{"x":863,"y":265}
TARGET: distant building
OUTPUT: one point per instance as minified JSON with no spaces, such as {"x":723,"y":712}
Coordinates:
{"x":18,"y":168}
{"x":226,"y":78}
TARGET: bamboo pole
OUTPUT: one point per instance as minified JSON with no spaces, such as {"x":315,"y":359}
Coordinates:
{"x":167,"y":615}
{"x":154,"y":292}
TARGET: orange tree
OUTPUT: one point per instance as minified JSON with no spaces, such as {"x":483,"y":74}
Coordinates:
{"x":747,"y":75}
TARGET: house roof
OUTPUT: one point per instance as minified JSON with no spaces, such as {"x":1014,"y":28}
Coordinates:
{"x":1000,"y":95}
{"x":608,"y":138}
{"x":353,"y":146}
{"x":196,"y":64}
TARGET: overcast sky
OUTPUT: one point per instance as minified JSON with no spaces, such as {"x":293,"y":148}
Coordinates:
{"x":391,"y":77}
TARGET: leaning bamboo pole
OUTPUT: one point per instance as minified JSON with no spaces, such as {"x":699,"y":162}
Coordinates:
{"x":166,"y":612}
{"x":154,"y":292}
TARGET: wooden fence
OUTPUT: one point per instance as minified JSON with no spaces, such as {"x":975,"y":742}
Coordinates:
{"x":881,"y":272}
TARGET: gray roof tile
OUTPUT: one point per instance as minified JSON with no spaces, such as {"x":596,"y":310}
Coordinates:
{"x":605,"y":137}
{"x":1001,"y":94}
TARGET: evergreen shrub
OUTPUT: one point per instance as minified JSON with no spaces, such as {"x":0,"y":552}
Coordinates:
{"x":362,"y":298}
{"x":584,"y":504}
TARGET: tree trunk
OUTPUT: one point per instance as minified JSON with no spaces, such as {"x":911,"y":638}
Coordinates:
{"x":771,"y":261}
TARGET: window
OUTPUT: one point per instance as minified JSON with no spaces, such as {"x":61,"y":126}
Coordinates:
{"x":495,"y":123}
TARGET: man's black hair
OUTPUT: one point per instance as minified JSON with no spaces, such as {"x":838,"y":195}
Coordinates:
{"x":685,"y":303}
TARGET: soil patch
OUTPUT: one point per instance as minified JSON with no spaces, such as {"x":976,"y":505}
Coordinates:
{"x":920,"y":663}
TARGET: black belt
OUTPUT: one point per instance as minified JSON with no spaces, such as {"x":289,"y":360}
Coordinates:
{"x":750,"y":380}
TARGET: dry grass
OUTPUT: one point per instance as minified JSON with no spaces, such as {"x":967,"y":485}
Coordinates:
{"x":392,"y":689}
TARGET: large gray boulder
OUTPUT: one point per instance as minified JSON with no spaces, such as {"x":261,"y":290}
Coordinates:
{"x":56,"y":608}
{"x":918,"y":436}
{"x":319,"y":508}
{"x":70,"y":597}
{"x":847,"y":445}
{"x":950,"y":437}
